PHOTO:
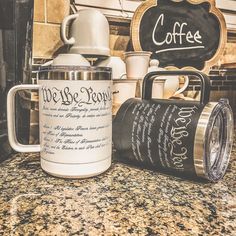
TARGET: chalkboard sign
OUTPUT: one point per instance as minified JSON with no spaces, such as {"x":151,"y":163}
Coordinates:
{"x":180,"y":33}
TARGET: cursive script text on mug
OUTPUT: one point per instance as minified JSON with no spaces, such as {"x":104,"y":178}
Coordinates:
{"x":83,"y":96}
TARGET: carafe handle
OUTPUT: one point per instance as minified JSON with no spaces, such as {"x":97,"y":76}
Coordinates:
{"x":65,"y":22}
{"x":11,"y":124}
{"x":205,"y":83}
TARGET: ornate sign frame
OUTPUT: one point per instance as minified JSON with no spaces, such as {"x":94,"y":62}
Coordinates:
{"x":140,"y":11}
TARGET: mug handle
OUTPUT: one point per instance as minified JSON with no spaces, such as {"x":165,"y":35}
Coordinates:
{"x":205,"y":83}
{"x":123,"y":76}
{"x":65,"y":22}
{"x":181,"y":90}
{"x":11,"y":124}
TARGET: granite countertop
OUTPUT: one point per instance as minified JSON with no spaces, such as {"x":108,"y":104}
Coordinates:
{"x":122,"y":201}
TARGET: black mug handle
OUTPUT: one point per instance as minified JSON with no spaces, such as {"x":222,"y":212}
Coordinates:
{"x":205,"y":83}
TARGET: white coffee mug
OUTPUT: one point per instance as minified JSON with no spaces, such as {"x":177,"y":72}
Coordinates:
{"x":75,"y":115}
{"x":88,"y":34}
{"x":157,"y":88}
{"x":137,"y":64}
{"x":117,"y":65}
{"x":172,"y":86}
{"x":171,"y":83}
{"x":123,"y":90}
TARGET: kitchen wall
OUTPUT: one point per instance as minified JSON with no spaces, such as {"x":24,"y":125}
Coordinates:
{"x":223,"y":85}
{"x":229,"y":55}
{"x":48,"y":15}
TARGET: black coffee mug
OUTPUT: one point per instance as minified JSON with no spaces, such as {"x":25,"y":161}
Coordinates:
{"x":190,"y":138}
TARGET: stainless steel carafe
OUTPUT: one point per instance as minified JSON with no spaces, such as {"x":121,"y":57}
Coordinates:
{"x":188,"y":138}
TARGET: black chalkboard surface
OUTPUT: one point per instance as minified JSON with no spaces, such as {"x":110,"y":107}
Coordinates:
{"x":180,"y":33}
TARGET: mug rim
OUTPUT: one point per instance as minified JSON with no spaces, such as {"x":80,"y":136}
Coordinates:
{"x":83,"y":73}
{"x":125,"y":81}
{"x":136,"y":53}
{"x":67,"y":68}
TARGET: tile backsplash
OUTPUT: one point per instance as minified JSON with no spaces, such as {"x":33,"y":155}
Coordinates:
{"x":229,"y":54}
{"x":48,"y":15}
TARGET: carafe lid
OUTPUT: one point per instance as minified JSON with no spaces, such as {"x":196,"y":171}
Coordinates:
{"x":154,"y":66}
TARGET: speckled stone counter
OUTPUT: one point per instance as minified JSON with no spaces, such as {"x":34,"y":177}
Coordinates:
{"x":123,"y":201}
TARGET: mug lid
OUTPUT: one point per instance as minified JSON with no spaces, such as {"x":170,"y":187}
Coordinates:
{"x":74,"y":68}
{"x":74,"y":73}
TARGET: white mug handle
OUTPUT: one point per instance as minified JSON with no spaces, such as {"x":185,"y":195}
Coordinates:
{"x":186,"y":82}
{"x":11,"y":124}
{"x":65,"y":22}
{"x":123,"y":76}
